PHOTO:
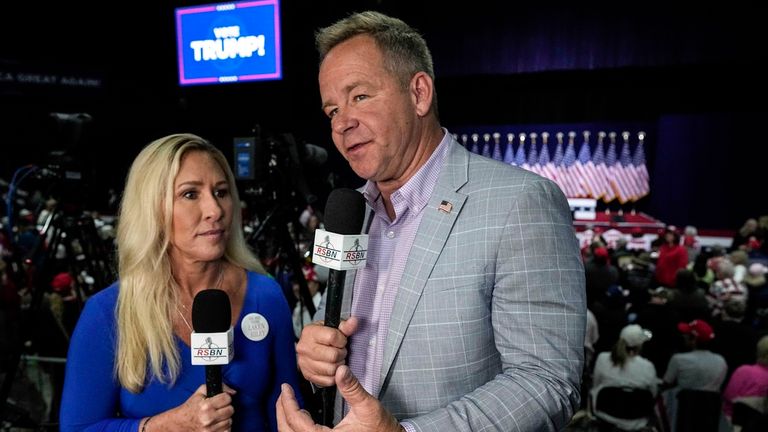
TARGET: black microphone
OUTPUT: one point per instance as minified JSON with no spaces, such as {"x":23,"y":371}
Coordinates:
{"x":344,"y":214}
{"x":213,"y":338}
{"x":340,"y":246}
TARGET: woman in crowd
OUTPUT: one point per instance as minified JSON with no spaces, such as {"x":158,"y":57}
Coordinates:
{"x":623,"y":366}
{"x":672,"y":257}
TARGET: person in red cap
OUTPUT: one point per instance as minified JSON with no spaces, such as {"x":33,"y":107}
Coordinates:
{"x":601,"y":252}
{"x":62,"y":284}
{"x":600,"y":274}
{"x":698,"y":368}
{"x":63,"y":301}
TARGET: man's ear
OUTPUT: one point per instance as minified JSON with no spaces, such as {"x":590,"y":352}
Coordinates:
{"x":422,"y":90}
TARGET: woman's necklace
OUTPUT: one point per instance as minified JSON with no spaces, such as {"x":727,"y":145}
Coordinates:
{"x":218,"y":286}
{"x":184,"y":319}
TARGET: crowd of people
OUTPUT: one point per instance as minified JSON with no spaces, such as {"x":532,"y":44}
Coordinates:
{"x":678,"y":317}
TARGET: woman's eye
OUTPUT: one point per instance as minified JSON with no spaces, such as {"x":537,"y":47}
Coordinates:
{"x":221,"y":193}
{"x":190,"y":194}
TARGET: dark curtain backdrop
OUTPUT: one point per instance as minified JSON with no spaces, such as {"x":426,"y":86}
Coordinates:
{"x":494,"y":37}
{"x":710,"y":170}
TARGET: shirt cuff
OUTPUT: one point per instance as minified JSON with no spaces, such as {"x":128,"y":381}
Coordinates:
{"x":408,"y":427}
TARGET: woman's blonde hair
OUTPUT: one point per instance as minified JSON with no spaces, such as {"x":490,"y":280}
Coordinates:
{"x":621,"y":351}
{"x":148,"y":292}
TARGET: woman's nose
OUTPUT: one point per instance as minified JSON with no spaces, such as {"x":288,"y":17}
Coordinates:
{"x":213,"y":208}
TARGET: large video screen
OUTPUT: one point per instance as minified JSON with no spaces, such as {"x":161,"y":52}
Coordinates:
{"x":228,"y":42}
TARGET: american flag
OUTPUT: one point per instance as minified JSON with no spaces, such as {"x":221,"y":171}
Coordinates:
{"x":445,"y":206}
{"x":612,"y":171}
{"x":569,"y":172}
{"x":628,"y":173}
{"x":475,"y":149}
{"x":546,"y":168}
{"x":588,"y":172}
{"x":557,"y":163}
{"x":520,"y":159}
{"x":532,"y":164}
{"x":598,"y":159}
{"x":569,"y":157}
{"x":611,"y":163}
{"x":496,"y":154}
{"x":486,"y":145}
{"x":509,"y":153}
{"x":642,"y":171}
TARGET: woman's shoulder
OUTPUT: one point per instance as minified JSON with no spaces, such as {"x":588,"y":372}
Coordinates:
{"x":99,"y":309}
{"x":262,"y":285}
{"x":260,"y":278}
{"x":645,"y":362}
{"x":105,"y":297}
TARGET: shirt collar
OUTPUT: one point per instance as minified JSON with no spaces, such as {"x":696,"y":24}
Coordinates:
{"x":416,"y":191}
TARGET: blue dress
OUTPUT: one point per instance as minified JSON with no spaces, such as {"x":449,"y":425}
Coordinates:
{"x":93,"y":399}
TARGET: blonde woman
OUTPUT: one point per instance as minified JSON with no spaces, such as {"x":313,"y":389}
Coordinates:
{"x":129,"y":363}
{"x":624,"y":366}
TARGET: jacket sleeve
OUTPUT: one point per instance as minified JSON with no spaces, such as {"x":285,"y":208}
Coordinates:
{"x":538,"y":314}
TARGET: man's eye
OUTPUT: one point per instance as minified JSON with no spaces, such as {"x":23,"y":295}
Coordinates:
{"x":358,"y":98}
{"x":332,"y":113}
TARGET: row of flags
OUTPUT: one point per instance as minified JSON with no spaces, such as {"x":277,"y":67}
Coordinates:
{"x":610,"y":172}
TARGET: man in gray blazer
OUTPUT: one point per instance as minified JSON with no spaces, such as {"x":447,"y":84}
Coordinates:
{"x":470,"y":312}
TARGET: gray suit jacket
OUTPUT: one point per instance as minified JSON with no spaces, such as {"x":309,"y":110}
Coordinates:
{"x":487,"y":331}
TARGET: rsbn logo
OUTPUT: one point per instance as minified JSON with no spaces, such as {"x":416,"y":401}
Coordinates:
{"x":210,"y":351}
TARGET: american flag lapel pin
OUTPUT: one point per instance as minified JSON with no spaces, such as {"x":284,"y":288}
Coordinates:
{"x":445,"y":206}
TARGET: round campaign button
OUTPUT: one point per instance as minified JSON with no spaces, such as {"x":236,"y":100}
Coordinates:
{"x":255,"y":327}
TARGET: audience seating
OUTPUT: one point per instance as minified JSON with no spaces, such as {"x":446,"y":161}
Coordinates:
{"x":625,"y":403}
{"x":698,"y":411}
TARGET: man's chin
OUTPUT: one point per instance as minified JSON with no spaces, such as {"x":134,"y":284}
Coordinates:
{"x":362,"y":172}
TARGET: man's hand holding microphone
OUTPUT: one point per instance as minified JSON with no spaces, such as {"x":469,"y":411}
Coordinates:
{"x":322,"y":348}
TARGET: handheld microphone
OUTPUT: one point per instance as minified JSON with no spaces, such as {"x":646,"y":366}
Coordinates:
{"x":340,"y":246}
{"x":213,"y":339}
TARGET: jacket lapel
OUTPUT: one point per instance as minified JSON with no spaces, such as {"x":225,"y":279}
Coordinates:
{"x":444,"y":206}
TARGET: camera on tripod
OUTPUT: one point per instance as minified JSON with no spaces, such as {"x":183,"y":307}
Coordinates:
{"x":275,"y":172}
{"x":274,"y":168}
{"x":60,"y":166}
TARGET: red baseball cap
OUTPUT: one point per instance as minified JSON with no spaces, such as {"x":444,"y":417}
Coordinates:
{"x":61,"y":282}
{"x":699,"y":329}
{"x":601,"y":252}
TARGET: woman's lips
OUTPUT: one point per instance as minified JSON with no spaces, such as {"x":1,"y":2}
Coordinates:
{"x":212,"y":233}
